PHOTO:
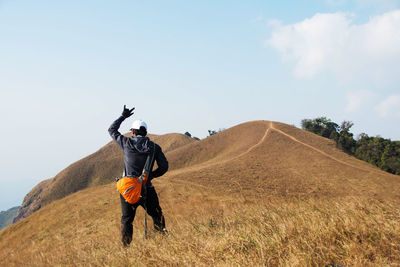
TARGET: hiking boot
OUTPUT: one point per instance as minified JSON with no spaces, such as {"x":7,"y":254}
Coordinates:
{"x":159,"y":225}
{"x":162,"y":231}
{"x":126,"y":240}
{"x":126,"y":235}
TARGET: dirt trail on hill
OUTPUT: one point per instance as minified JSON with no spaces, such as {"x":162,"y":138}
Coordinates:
{"x":210,"y":163}
{"x":256,"y":145}
{"x":259,"y":143}
{"x":325,"y":154}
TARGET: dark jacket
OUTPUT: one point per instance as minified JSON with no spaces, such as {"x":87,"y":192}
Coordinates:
{"x":135,"y":151}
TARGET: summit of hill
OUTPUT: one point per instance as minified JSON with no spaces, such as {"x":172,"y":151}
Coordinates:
{"x":259,"y":193}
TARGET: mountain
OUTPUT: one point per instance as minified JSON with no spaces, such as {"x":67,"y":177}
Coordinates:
{"x":99,"y":168}
{"x":261,"y":193}
{"x":269,"y":155}
{"x":6,"y":217}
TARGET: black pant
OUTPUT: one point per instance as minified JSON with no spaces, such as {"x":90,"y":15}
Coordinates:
{"x":149,"y":202}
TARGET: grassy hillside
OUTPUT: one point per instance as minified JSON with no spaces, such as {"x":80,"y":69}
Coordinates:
{"x":260,"y":193}
{"x":7,"y":216}
{"x":98,"y":168}
{"x":207,"y":228}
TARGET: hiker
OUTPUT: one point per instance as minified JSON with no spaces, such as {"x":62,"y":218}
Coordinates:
{"x":136,"y":150}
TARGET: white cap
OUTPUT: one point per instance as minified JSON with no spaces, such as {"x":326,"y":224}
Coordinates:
{"x":139,"y":123}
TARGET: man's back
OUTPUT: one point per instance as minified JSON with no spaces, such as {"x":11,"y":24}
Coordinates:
{"x":136,"y":150}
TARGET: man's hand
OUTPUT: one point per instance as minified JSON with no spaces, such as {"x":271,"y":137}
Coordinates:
{"x":126,"y":113}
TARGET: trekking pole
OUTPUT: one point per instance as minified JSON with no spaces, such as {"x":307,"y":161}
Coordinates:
{"x":145,"y":212}
{"x":145,"y":222}
{"x":146,"y":168}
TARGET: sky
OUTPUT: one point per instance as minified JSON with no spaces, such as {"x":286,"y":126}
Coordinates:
{"x":68,"y":67}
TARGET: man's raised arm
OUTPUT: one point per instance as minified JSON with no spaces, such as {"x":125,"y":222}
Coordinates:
{"x":113,"y":130}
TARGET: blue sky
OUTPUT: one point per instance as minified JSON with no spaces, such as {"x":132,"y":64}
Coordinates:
{"x":68,"y":67}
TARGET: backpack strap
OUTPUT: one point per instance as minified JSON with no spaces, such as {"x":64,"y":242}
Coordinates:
{"x":147,"y":165}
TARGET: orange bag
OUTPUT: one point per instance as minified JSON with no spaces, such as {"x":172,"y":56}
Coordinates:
{"x":131,"y":187}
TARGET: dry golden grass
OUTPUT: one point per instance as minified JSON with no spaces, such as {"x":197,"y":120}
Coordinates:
{"x":207,"y":229}
{"x":273,"y":196}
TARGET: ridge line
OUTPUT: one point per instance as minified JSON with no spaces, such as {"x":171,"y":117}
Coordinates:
{"x":324,"y":153}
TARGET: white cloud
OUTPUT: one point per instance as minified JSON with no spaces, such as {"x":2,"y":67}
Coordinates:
{"x":356,"y":100}
{"x":333,"y":43}
{"x":390,"y":107}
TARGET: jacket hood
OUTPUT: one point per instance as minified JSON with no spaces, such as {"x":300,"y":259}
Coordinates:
{"x":141,"y":144}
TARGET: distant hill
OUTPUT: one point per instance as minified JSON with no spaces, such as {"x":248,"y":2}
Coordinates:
{"x":6,"y":217}
{"x":98,"y":168}
{"x":261,"y":193}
